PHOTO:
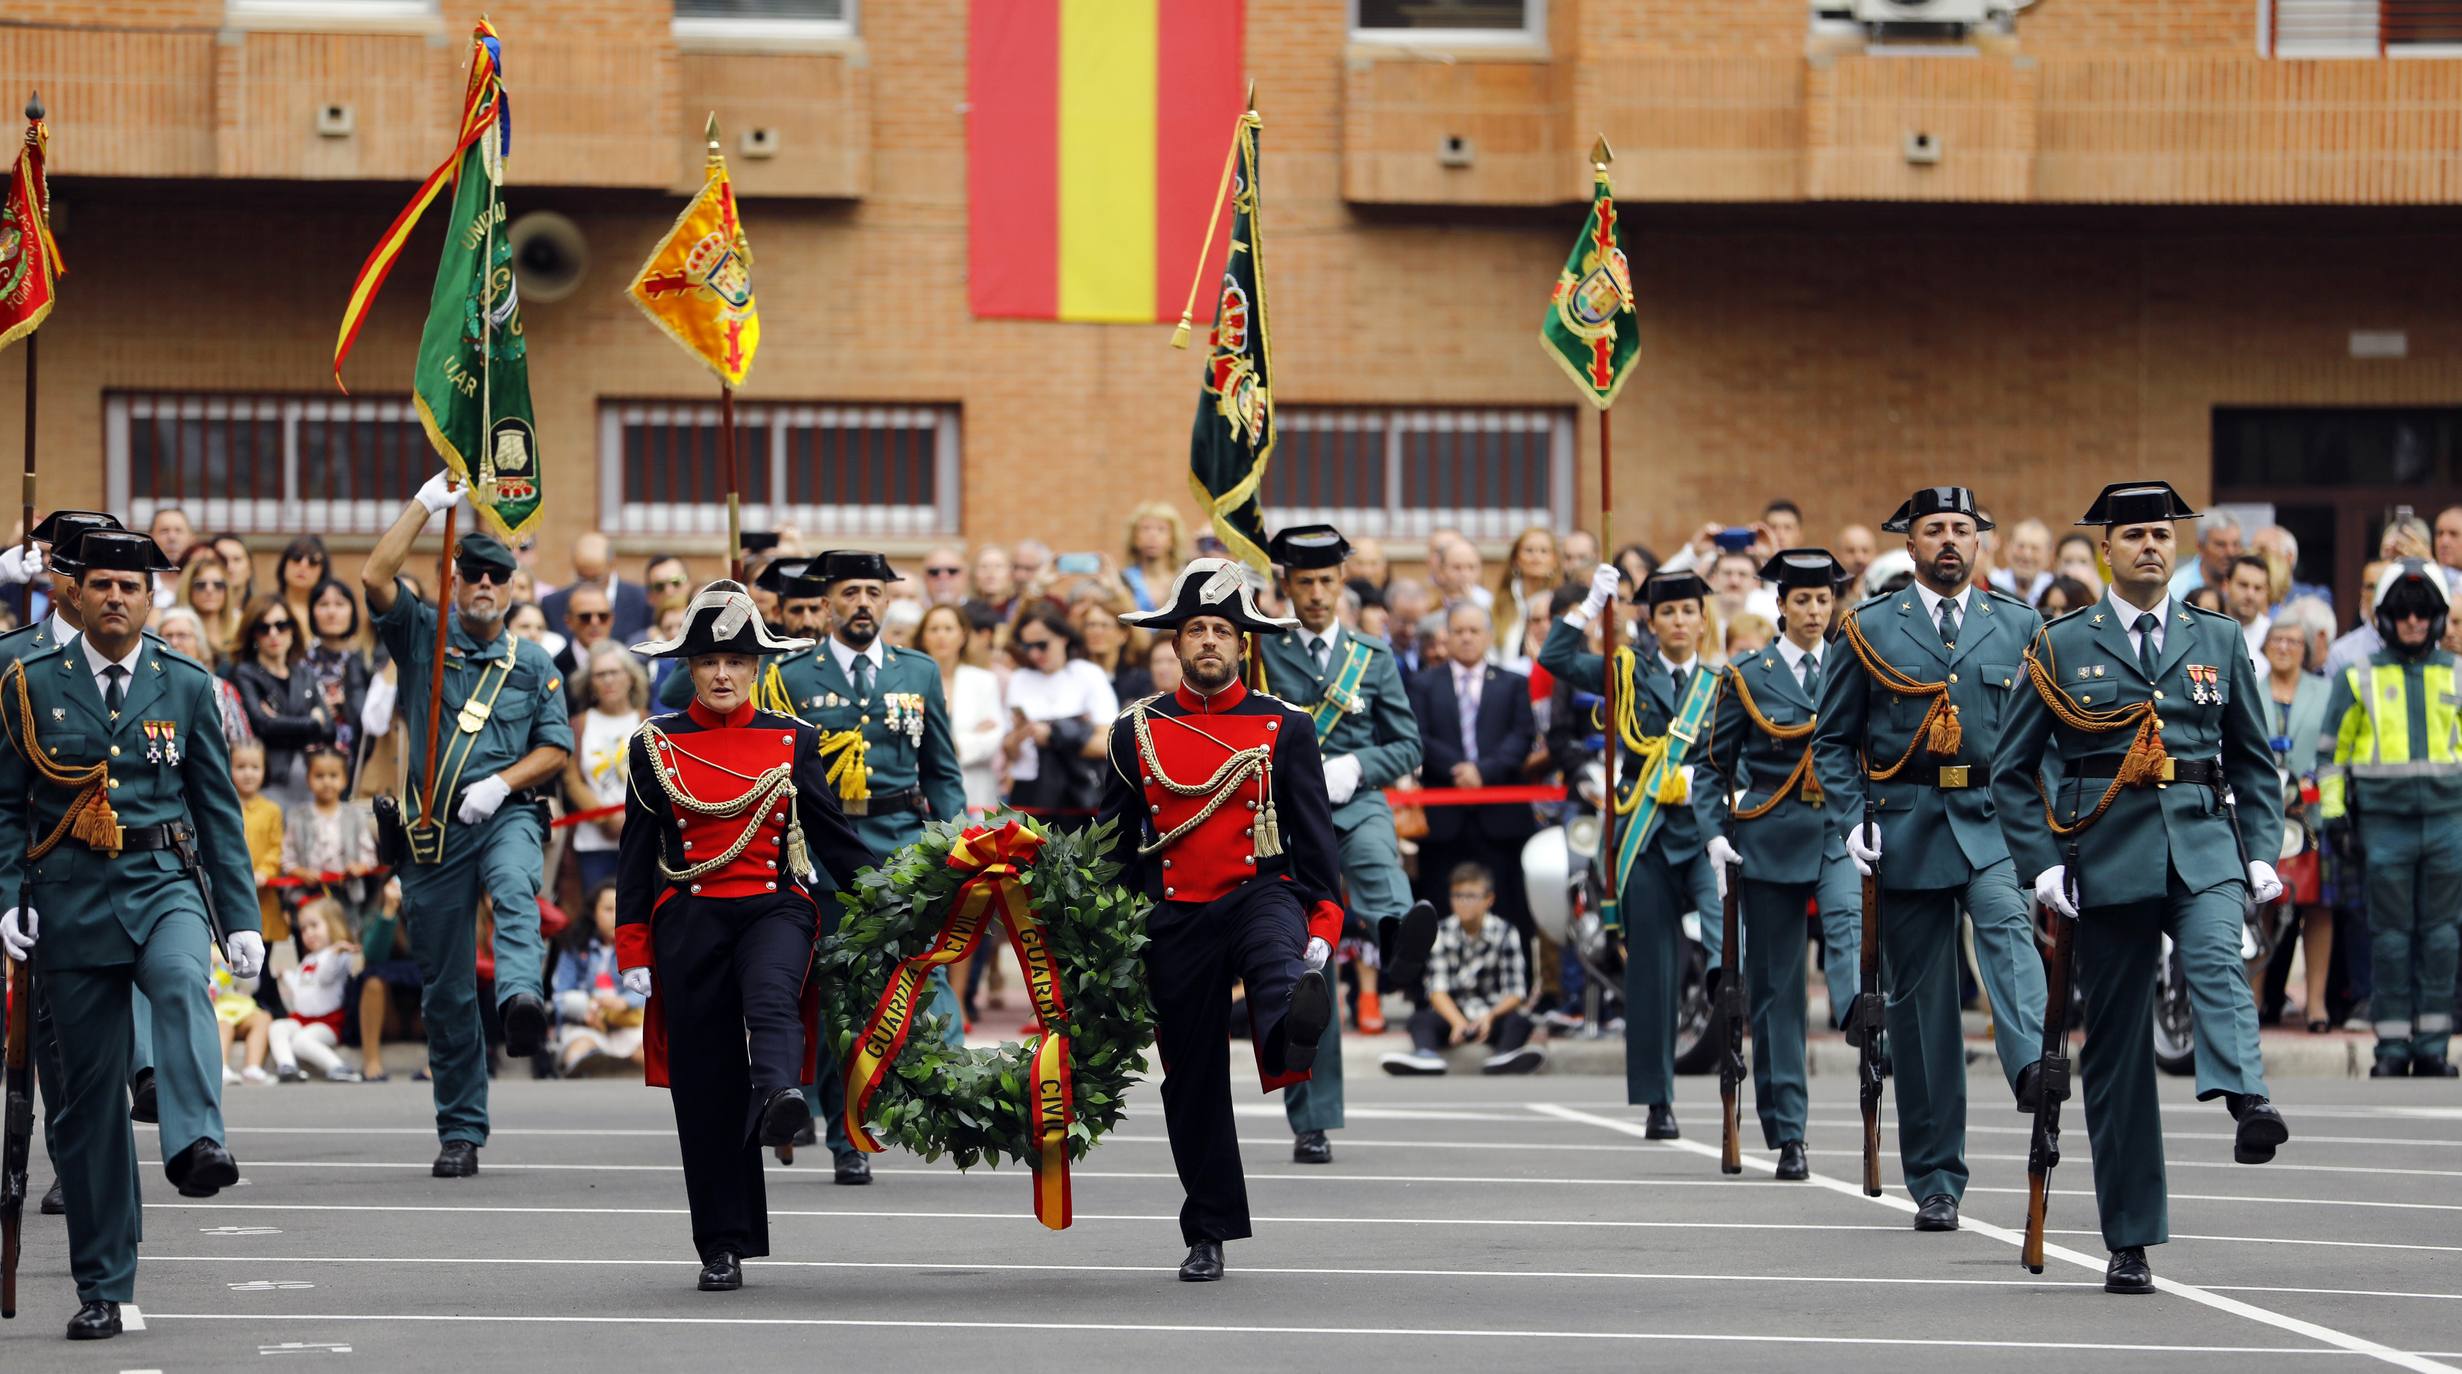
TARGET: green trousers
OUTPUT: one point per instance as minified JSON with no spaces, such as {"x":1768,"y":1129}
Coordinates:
{"x":1774,"y":954}
{"x":1657,"y":895}
{"x":2414,"y":930}
{"x":2117,"y":948}
{"x":1927,"y":1036}
{"x":1374,"y":889}
{"x":48,"y":1074}
{"x":502,"y":858}
{"x":97,"y":1146}
{"x":1840,"y":896}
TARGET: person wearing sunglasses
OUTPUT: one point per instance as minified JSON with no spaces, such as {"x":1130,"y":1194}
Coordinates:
{"x":594,"y":566}
{"x":502,"y":736}
{"x":284,"y":698}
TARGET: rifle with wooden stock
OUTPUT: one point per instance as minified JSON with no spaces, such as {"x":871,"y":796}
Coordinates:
{"x":1729,"y":1015}
{"x":1864,"y":1021}
{"x":2051,"y":1077}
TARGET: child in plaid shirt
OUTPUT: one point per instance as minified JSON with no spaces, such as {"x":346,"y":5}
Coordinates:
{"x":1477,"y":983}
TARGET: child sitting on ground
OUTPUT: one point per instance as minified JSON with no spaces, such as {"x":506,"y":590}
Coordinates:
{"x":599,"y":1018}
{"x":1477,"y":982}
{"x":236,"y":1014}
{"x":313,"y":992}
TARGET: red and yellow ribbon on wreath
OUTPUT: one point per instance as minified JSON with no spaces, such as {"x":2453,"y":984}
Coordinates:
{"x":996,"y":860}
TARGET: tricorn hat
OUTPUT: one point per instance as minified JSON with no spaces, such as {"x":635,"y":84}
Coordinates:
{"x":850,"y":565}
{"x":120,"y":551}
{"x":791,"y":579}
{"x":721,"y":619}
{"x":1308,"y":546}
{"x":1792,"y":568}
{"x":2137,"y":503}
{"x":483,"y":551}
{"x":62,"y":528}
{"x":1682,"y":585}
{"x":1211,"y":586}
{"x":1935,"y":501}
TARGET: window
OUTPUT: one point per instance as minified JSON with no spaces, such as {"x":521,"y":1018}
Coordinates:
{"x":2361,"y":28}
{"x":340,"y":12}
{"x":1403,"y":471}
{"x":2333,"y":477}
{"x":764,"y":18}
{"x":265,"y":463}
{"x":837,"y":470}
{"x":1449,"y":21}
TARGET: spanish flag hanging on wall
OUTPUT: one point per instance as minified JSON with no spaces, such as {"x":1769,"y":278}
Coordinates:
{"x":1093,"y":134}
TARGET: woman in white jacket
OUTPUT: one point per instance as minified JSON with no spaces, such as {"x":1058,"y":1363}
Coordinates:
{"x":973,"y":694}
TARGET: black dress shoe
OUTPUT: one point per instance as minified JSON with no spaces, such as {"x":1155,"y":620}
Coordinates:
{"x":785,"y":1116}
{"x":1792,"y":1166}
{"x":1938,"y":1213}
{"x":55,"y":1202}
{"x":2388,"y":1067}
{"x":202,"y":1170}
{"x":722,"y":1273}
{"x":96,"y":1321}
{"x":854,"y":1169}
{"x":1662,"y":1123}
{"x":525,"y":1025}
{"x":1312,"y":1010}
{"x":1204,"y":1262}
{"x":2434,"y":1066}
{"x":809,"y":1135}
{"x":141,"y":1103}
{"x":2128,"y":1272}
{"x":1311,"y":1147}
{"x":2261,"y":1128}
{"x":458,"y":1159}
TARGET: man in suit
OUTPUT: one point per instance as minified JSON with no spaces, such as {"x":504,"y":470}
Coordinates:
{"x":118,"y":825}
{"x":1351,"y":689}
{"x":1909,"y":718}
{"x":2152,"y":715}
{"x":594,"y":565}
{"x":1476,"y":730}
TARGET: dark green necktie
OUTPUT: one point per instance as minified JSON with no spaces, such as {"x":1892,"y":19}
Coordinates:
{"x":1810,"y":669}
{"x":863,"y":678}
{"x":113,"y":692}
{"x":2145,"y":643}
{"x":1949,"y":623}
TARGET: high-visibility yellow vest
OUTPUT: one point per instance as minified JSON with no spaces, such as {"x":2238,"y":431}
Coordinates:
{"x":2373,"y":738}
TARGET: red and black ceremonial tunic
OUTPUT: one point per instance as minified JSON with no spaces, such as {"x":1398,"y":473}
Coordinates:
{"x":693,"y":779}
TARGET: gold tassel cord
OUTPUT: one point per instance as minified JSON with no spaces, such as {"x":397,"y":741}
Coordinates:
{"x":1649,"y":751}
{"x":2142,"y":764}
{"x":1218,"y":790}
{"x":848,"y":769}
{"x":1938,"y":731}
{"x":89,"y":818}
{"x":1802,"y":776}
{"x":770,"y":787}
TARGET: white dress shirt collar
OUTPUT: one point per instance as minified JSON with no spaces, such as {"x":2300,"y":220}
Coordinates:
{"x":1674,"y":667}
{"x":2160,"y":610}
{"x":1794,"y":657}
{"x":102,"y":683}
{"x":846,"y":654}
{"x":58,"y":631}
{"x":1932,"y":600}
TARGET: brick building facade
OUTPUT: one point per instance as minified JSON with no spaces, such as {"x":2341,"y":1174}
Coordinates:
{"x":2137,"y":219}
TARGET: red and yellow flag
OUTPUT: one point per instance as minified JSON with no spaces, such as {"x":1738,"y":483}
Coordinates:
{"x":1093,"y":153}
{"x":29,"y":260}
{"x":697,"y":285}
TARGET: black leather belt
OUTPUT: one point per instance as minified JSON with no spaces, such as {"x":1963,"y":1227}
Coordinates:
{"x":2203,"y":772}
{"x":885,"y":803}
{"x":165,"y":836}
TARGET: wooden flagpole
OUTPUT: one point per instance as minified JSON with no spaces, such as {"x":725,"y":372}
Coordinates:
{"x":25,"y":593}
{"x":1600,"y":156}
{"x":726,"y":426}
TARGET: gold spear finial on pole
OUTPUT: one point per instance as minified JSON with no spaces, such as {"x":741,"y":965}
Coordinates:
{"x":1601,"y":154}
{"x":710,"y":132}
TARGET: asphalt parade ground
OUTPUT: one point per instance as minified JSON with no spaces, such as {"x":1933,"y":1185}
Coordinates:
{"x":1464,"y":1224}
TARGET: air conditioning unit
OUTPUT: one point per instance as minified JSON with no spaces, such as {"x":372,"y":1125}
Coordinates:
{"x":1929,"y":12}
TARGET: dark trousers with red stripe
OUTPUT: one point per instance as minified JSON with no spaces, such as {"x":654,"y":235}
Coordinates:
{"x":730,"y":985}
{"x":1258,"y":935}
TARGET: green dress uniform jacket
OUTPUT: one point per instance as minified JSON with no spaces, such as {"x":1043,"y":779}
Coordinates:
{"x":1376,"y":727}
{"x":502,"y":699}
{"x":1942,"y":850}
{"x":2163,"y":859}
{"x":112,"y":925}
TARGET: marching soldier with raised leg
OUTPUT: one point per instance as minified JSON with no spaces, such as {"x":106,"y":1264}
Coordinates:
{"x":2149,"y":707}
{"x":1910,"y":713}
{"x":1781,"y":840}
{"x":121,"y":858}
{"x":1351,"y":688}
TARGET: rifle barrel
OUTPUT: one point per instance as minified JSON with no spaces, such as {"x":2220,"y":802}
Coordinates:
{"x":1867,"y":1020}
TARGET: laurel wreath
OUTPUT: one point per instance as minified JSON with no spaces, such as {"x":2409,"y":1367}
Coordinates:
{"x":970,"y":1104}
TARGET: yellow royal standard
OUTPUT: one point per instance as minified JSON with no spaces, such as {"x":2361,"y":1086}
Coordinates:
{"x":697,"y":285}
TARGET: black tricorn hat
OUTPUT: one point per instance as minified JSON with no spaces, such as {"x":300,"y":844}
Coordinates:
{"x":120,"y":551}
{"x":758,"y":541}
{"x":1211,"y":586}
{"x":1308,"y":546}
{"x":721,"y":620}
{"x":483,"y":550}
{"x":62,"y":528}
{"x":2137,"y":503}
{"x":1681,"y":585}
{"x":791,"y":579}
{"x":1791,"y":568}
{"x":850,"y":565}
{"x":1935,"y":501}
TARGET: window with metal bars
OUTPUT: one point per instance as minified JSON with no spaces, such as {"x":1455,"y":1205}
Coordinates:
{"x":257,"y":463}
{"x":879,"y":471}
{"x":2361,"y":28}
{"x":721,"y":18}
{"x":1402,"y":471}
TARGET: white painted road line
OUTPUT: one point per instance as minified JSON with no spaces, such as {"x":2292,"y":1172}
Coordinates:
{"x":1018,"y":1216}
{"x":2327,"y":1335}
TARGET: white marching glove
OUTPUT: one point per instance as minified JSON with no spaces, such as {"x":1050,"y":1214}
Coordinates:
{"x":1341,"y":778}
{"x":2264,"y":886}
{"x":20,"y":564}
{"x":18,"y":930}
{"x":245,"y":953}
{"x":376,"y":712}
{"x":2052,"y":890}
{"x":637,"y":981}
{"x":484,"y":796}
{"x":439,"y":494}
{"x":1720,"y":854}
{"x":1605,"y":582}
{"x":1864,"y":847}
{"x":1318,"y":953}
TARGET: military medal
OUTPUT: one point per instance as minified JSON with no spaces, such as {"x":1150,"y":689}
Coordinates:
{"x":171,"y":742}
{"x":914,"y":719}
{"x":153,"y":741}
{"x":892,"y":708}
